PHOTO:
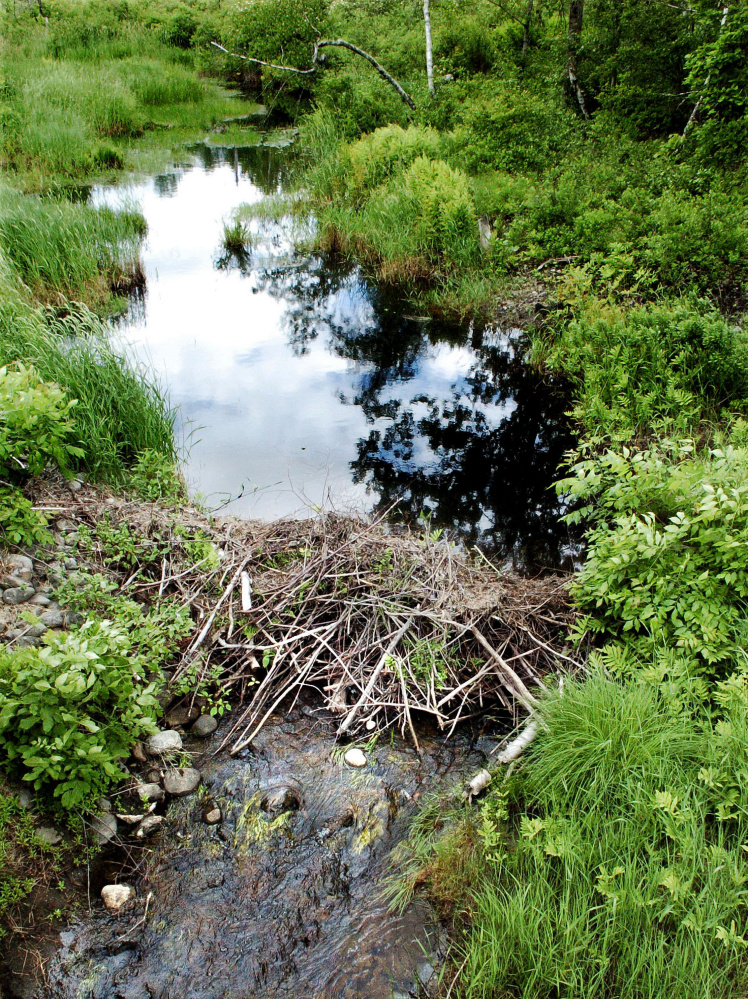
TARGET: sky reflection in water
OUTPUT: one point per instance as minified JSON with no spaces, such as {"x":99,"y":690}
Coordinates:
{"x":310,"y":387}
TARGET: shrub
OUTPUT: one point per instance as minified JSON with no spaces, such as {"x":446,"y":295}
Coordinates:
{"x":71,"y":709}
{"x":385,"y":152}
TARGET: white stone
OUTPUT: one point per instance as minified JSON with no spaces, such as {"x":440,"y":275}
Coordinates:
{"x":355,"y":758}
{"x":180,"y":783}
{"x":371,"y":725}
{"x":116,"y":896}
{"x":163,"y":742}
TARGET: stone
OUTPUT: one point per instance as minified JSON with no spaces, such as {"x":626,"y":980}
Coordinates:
{"x":281,"y":799}
{"x":12,"y":582}
{"x":19,"y":594}
{"x":204,"y":726}
{"x":104,"y":827}
{"x":212,"y":816}
{"x":49,"y":835}
{"x":36,"y":630}
{"x":25,"y":799}
{"x":115,"y":897}
{"x":180,"y":783}
{"x":153,"y":776}
{"x":149,"y":825}
{"x":150,"y":792}
{"x":105,"y":805}
{"x":138,"y":751}
{"x":71,"y":618}
{"x":163,"y":743}
{"x":355,"y":758}
{"x":371,"y":725}
{"x":52,"y":618}
{"x":181,"y":714}
{"x":40,"y":600}
{"x":129,"y":820}
{"x":71,"y":563}
{"x":75,"y":485}
{"x":27,"y":642}
{"x":20,"y":566}
{"x":66,"y":526}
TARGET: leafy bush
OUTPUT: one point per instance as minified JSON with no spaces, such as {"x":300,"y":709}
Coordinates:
{"x":387,"y":151}
{"x":72,"y":708}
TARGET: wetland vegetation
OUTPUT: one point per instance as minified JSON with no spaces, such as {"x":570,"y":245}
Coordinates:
{"x":577,"y":169}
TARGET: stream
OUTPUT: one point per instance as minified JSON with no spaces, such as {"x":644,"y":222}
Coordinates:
{"x":299,"y":385}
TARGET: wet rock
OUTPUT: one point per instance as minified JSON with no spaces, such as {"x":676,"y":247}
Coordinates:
{"x":53,"y":618}
{"x":281,"y":799}
{"x":150,"y":792}
{"x":180,"y":783}
{"x":20,"y":566}
{"x":181,"y":715}
{"x":212,"y":815}
{"x":149,"y":825}
{"x":49,"y":835}
{"x":204,"y":726}
{"x":104,"y":827}
{"x":19,"y":594}
{"x":355,"y":758}
{"x":115,"y":897}
{"x":163,"y":743}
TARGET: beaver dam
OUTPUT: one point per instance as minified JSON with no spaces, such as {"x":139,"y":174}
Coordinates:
{"x":321,"y":634}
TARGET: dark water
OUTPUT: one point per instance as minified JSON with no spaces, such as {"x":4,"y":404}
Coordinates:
{"x":284,"y":898}
{"x":305,"y":385}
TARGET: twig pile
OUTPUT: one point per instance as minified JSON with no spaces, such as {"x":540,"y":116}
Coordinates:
{"x":384,"y":625}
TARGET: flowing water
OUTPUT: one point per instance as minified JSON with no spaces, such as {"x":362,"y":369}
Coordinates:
{"x":303,"y":385}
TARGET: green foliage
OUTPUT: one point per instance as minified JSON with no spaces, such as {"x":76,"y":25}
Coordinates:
{"x":20,"y":524}
{"x":19,"y":849}
{"x":155,"y":477}
{"x":613,"y":861}
{"x":387,"y":151}
{"x":71,"y":709}
{"x":36,"y":424}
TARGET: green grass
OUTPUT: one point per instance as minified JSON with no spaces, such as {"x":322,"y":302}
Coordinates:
{"x":611,"y":864}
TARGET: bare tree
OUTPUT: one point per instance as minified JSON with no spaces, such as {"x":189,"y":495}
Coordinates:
{"x":322,"y":43}
{"x":429,"y":47}
{"x":576,"y":19}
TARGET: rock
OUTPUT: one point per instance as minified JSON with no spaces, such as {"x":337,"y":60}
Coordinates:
{"x":355,"y":758}
{"x":163,"y":743}
{"x":212,"y":816}
{"x":425,"y":972}
{"x":105,"y":805}
{"x":371,"y":725}
{"x":129,"y":820}
{"x":281,"y":799}
{"x":25,"y":799}
{"x":55,"y":577}
{"x":71,"y":618}
{"x":153,"y":776}
{"x":75,"y":485}
{"x":49,"y":835}
{"x":149,"y":825}
{"x":181,"y":714}
{"x":66,"y":526}
{"x":104,"y":827}
{"x":36,"y":630}
{"x":40,"y":600}
{"x":150,"y":792}
{"x":180,"y":783}
{"x":19,"y":594}
{"x":52,"y":618}
{"x":12,"y":582}
{"x":116,"y":896}
{"x":204,"y":726}
{"x":27,"y":642}
{"x":138,"y":751}
{"x":71,"y":563}
{"x":20,"y":566}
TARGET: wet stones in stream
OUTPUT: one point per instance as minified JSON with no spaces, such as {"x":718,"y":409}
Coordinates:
{"x":266,"y":882}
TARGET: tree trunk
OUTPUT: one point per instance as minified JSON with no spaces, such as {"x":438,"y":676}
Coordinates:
{"x":707,"y":81}
{"x":576,"y":19}
{"x":429,"y":47}
{"x":526,"y":30}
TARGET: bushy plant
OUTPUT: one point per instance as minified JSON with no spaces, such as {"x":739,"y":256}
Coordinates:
{"x":387,"y":151}
{"x":72,"y":708}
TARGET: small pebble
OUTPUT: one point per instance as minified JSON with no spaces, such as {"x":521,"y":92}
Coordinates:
{"x":162,"y":743}
{"x":138,"y":752}
{"x":151,"y":792}
{"x":116,"y":896}
{"x":180,"y":783}
{"x":355,"y":758}
{"x":371,"y":725}
{"x":204,"y":726}
{"x":149,"y":825}
{"x":212,"y":816}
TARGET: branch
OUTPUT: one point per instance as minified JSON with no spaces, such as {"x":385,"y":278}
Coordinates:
{"x":705,"y":86}
{"x":329,"y":43}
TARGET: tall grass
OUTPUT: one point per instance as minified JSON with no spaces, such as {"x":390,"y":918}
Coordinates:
{"x":73,"y":249}
{"x":122,"y":411}
{"x":613,"y":864}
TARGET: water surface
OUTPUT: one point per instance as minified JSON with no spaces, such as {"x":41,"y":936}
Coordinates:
{"x":303,"y":385}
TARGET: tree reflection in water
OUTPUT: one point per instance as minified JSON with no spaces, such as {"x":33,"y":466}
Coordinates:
{"x":475,"y":449}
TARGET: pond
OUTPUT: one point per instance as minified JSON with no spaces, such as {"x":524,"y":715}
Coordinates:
{"x":300,"y":384}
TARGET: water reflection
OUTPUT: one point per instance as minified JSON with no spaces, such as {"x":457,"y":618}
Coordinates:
{"x":313,"y":386}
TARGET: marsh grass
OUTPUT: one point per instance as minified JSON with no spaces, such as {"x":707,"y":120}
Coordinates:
{"x":611,"y":864}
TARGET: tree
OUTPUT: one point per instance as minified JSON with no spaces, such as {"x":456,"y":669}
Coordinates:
{"x":429,"y":47}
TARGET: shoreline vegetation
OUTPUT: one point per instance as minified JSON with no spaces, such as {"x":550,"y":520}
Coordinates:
{"x":588,"y":159}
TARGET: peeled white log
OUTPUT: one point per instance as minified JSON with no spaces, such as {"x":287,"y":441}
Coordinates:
{"x":246,"y":593}
{"x":479,"y":783}
{"x":520,"y":744}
